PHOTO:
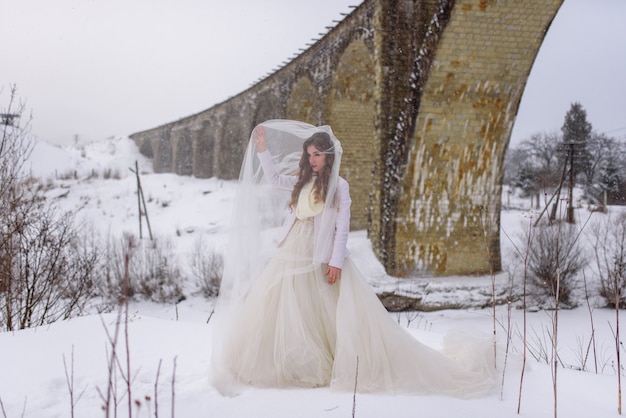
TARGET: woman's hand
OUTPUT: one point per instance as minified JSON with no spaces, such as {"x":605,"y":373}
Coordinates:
{"x":333,"y":274}
{"x":259,"y":138}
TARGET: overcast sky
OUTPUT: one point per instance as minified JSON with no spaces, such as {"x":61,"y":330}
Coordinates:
{"x":97,"y":68}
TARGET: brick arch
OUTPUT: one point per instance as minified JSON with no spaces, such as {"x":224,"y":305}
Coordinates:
{"x":234,"y":140}
{"x":182,"y":158}
{"x":267,"y":106}
{"x":204,"y":151}
{"x":350,"y":110}
{"x":301,"y":101}
{"x":162,"y":150}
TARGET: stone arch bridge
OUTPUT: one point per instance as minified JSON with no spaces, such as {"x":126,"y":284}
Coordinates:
{"x":423,"y":95}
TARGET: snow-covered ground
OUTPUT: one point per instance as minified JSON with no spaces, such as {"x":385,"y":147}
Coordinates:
{"x":170,"y":345}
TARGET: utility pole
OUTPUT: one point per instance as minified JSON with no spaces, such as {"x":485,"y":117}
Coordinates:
{"x":570,"y":198}
{"x":8,"y":118}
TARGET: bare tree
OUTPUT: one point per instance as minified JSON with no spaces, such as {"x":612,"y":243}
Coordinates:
{"x":602,"y":149}
{"x":45,"y":272}
{"x":542,"y":148}
{"x":533,"y":166}
{"x":16,"y":145}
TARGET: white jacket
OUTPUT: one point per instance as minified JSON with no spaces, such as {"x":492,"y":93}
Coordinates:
{"x":338,"y":251}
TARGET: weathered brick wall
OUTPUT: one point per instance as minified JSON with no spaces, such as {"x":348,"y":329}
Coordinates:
{"x":422,"y":95}
{"x":452,"y":190}
{"x":402,"y":29}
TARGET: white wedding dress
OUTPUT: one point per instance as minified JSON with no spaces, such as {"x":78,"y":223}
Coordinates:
{"x":295,"y":329}
{"x":279,"y":323}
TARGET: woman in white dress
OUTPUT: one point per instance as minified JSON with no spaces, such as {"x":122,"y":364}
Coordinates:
{"x":303,"y":315}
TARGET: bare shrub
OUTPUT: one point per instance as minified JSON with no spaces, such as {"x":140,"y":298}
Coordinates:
{"x":93,"y":175}
{"x":539,"y":345}
{"x":609,"y":246}
{"x":554,"y":259}
{"x":68,"y":175}
{"x":207,"y":266}
{"x":111,"y":272}
{"x":109,"y":173}
{"x":153,"y":271}
{"x":46,"y":274}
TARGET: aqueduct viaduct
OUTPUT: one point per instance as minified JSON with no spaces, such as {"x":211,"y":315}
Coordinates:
{"x":423,"y":95}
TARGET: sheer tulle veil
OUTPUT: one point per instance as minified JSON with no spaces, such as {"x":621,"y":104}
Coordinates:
{"x":257,"y":220}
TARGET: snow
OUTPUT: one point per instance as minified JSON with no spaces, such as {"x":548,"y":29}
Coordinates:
{"x":169,"y":345}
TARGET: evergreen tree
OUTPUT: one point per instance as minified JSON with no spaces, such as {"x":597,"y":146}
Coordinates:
{"x":610,"y":178}
{"x":576,"y":133}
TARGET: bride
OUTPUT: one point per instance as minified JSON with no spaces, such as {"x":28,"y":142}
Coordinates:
{"x":293,"y":308}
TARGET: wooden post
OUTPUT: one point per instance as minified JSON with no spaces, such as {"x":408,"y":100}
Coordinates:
{"x":138,"y":198}
{"x":141,"y":201}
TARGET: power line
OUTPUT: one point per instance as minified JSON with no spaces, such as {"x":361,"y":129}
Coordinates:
{"x":616,"y":130}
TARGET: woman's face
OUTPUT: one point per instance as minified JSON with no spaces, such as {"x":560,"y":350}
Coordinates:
{"x":317,"y":159}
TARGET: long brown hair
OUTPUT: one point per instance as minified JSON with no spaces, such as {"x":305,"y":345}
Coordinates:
{"x":322,"y":142}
